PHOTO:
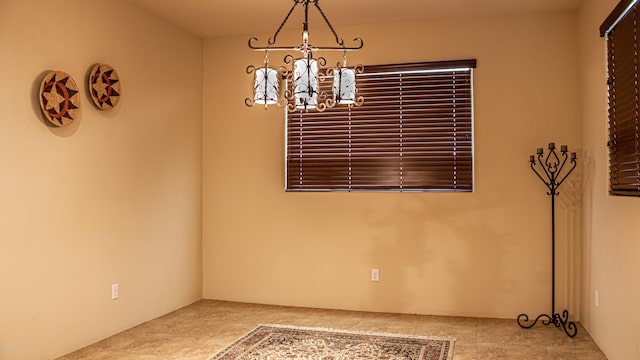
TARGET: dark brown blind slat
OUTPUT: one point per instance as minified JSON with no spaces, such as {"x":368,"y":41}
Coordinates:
{"x":624,"y":103}
{"x":414,"y":133}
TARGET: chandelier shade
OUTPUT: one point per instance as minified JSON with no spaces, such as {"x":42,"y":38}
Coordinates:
{"x":266,"y":86}
{"x":303,"y":78}
{"x":305,"y":83}
{"x":344,"y":85}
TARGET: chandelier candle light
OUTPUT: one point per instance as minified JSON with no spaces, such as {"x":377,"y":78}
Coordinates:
{"x":551,"y":170}
{"x":303,"y":79}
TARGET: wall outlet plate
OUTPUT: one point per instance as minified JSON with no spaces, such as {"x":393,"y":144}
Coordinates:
{"x":375,"y":275}
{"x":115,"y":292}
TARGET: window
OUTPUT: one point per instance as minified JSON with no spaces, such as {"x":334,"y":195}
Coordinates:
{"x":413,"y":133}
{"x":621,"y":30}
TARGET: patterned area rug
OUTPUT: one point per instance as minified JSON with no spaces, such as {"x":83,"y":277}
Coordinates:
{"x":277,"y":342}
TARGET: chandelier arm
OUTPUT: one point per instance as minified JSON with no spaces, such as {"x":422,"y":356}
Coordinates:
{"x":314,"y":48}
{"x":254,"y":47}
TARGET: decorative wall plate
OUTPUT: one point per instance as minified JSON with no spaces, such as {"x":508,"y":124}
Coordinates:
{"x":104,"y":86}
{"x":59,"y":98}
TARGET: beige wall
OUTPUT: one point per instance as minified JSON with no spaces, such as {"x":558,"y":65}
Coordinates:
{"x":611,"y":242}
{"x":114,"y":197}
{"x":480,"y":254}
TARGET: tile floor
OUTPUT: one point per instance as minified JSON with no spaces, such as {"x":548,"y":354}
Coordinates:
{"x":201,"y":329}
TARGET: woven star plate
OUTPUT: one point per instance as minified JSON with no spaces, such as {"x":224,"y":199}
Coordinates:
{"x":104,"y":86}
{"x":59,"y":98}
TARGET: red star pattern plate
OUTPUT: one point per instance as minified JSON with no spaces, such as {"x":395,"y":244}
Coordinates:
{"x":59,"y":98}
{"x":104,"y":86}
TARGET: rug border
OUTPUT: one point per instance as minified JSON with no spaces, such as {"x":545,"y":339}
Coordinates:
{"x":452,"y":340}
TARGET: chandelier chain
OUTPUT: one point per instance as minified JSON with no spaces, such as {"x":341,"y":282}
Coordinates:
{"x":275,"y":35}
{"x":339,"y":40}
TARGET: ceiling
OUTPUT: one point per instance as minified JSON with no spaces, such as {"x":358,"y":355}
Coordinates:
{"x":216,"y":18}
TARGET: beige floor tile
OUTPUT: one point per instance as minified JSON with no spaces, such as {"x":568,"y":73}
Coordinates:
{"x":535,"y":352}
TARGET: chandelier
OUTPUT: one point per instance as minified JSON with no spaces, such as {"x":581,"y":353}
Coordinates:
{"x":302,"y":75}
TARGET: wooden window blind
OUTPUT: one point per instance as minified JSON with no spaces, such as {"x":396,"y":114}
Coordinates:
{"x":413,"y":133}
{"x":621,"y":30}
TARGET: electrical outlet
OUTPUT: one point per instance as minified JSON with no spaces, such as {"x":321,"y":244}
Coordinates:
{"x":596,"y":297}
{"x":115,"y":292}
{"x":375,"y":274}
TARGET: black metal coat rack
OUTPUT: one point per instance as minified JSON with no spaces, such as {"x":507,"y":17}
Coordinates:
{"x":549,"y":169}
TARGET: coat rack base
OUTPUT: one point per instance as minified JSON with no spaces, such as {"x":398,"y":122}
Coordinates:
{"x":557,"y":320}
